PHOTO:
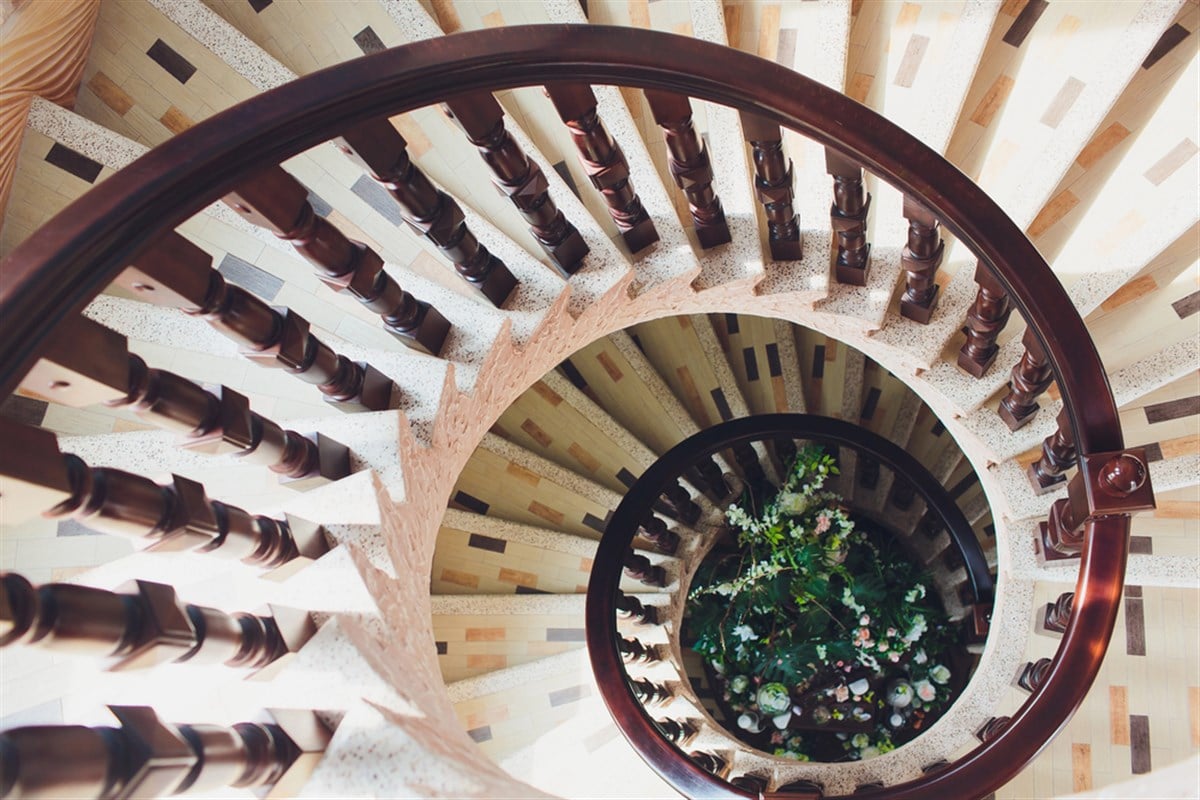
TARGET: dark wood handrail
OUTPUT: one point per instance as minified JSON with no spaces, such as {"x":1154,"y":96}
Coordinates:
{"x":604,"y":591}
{"x":59,"y":268}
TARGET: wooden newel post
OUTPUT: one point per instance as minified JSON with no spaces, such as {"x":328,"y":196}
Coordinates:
{"x":604,"y":162}
{"x":689,"y":165}
{"x":275,"y":200}
{"x":145,"y":757}
{"x":985,"y":320}
{"x":178,"y":516}
{"x":850,"y":217}
{"x":86,"y":363}
{"x":920,"y":259}
{"x":143,"y":625}
{"x":773,"y":182}
{"x":382,"y":151}
{"x":1058,"y":456}
{"x":1109,"y":483}
{"x":175,"y":273}
{"x":519,"y":178}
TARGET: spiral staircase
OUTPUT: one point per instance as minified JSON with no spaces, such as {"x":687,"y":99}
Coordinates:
{"x":496,"y":467}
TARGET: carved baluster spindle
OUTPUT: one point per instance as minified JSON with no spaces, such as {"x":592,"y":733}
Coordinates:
{"x":756,"y":784}
{"x":35,"y":478}
{"x":773,"y":182}
{"x":381,"y":150}
{"x":991,"y":729}
{"x":903,"y":493}
{"x":175,"y":273}
{"x":920,"y":259}
{"x":709,"y":762}
{"x":688,"y":161}
{"x":1058,"y":456}
{"x":634,"y":652}
{"x":850,"y":216}
{"x":681,"y":503}
{"x":648,"y":692}
{"x":86,"y":363}
{"x":1033,"y":673}
{"x":629,"y":607}
{"x":1058,"y":613}
{"x":1105,"y":484}
{"x":519,"y":178}
{"x":145,"y":757}
{"x":985,"y":320}
{"x":664,"y":540}
{"x":746,"y":458}
{"x":143,"y":625}
{"x":785,"y":453}
{"x":677,"y":731}
{"x":604,"y":162}
{"x":712,"y":478}
{"x":275,"y":200}
{"x":638,"y":567}
{"x":1031,"y":376}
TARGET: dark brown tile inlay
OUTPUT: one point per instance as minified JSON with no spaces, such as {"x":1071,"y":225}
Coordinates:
{"x":1024,"y":22}
{"x":1173,"y":409}
{"x":176,"y":65}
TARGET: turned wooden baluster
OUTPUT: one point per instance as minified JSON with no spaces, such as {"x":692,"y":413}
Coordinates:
{"x":1058,"y":613}
{"x":903,"y":493}
{"x":689,"y":165}
{"x":663,"y":539}
{"x":638,"y":567}
{"x":378,"y":147}
{"x":1106,"y":483}
{"x":648,"y":692}
{"x":850,"y":215}
{"x":519,"y":178}
{"x":35,"y":478}
{"x":634,"y":652}
{"x":712,"y":478}
{"x":991,"y":729}
{"x":275,"y":200}
{"x":630,"y":607}
{"x":86,"y":363}
{"x":773,"y":182}
{"x":1033,"y":673}
{"x":985,"y":320}
{"x":920,"y":259}
{"x":1031,"y":376}
{"x":1058,"y":456}
{"x":709,"y":762}
{"x":143,"y":625}
{"x":145,"y":757}
{"x":604,"y":162}
{"x":755,"y":784}
{"x":677,"y":731}
{"x":682,"y":505}
{"x":175,"y":273}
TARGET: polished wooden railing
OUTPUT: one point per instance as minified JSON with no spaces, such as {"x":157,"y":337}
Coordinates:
{"x":48,"y":280}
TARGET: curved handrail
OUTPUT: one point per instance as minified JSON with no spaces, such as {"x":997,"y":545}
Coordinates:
{"x":604,"y":584}
{"x":59,"y":268}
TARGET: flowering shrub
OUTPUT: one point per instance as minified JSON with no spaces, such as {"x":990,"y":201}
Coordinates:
{"x":817,"y":626}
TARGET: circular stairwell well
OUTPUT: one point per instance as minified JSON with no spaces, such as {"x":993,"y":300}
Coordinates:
{"x":517,"y":545}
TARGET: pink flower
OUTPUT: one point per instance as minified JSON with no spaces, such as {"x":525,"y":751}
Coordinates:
{"x":891,"y":632}
{"x":841,"y":693}
{"x":823,"y":523}
{"x":777,"y":738}
{"x":864,"y":633}
{"x":894,"y":657}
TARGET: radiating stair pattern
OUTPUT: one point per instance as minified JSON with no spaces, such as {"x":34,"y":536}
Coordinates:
{"x":451,"y":605}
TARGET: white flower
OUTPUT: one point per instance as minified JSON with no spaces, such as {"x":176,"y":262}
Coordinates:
{"x":920,"y":657}
{"x":860,"y":740}
{"x":925,"y":690}
{"x":917,"y":630}
{"x":895,"y":720}
{"x":860,"y":686}
{"x":781,"y":721}
{"x":916,"y":593}
{"x":724,"y":589}
{"x":792,"y":503}
{"x":749,"y":722}
{"x":745,"y":633}
{"x":822,"y":652}
{"x":865,"y":619}
{"x":868,"y":752}
{"x":940,"y":673}
{"x":739,"y":684}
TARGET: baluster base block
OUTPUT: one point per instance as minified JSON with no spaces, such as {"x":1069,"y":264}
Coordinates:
{"x":497,"y":285}
{"x":977,"y":369}
{"x":851,"y":275}
{"x":787,"y":249}
{"x":714,"y":234}
{"x":1042,"y":483}
{"x":1050,"y":549}
{"x":428,"y":335}
{"x":333,"y":464}
{"x":922,"y":313}
{"x":1014,"y":422}
{"x":641,"y":235}
{"x":375,"y":394}
{"x":567,"y":256}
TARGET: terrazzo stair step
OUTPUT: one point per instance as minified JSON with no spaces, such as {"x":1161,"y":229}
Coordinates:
{"x":476,"y":554}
